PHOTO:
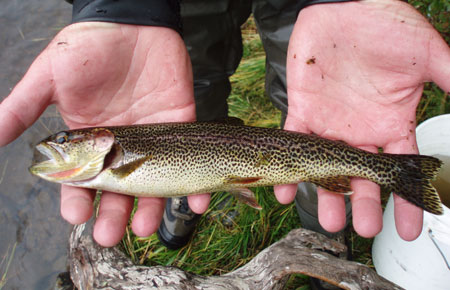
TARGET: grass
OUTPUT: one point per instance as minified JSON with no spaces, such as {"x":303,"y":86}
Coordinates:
{"x":434,"y":102}
{"x":230,"y":234}
{"x":227,"y":237}
{"x":248,"y":100}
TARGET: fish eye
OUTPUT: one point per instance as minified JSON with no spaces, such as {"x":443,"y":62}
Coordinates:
{"x":61,"y":137}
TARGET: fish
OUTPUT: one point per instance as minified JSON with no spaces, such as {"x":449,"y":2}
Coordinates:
{"x":179,"y":159}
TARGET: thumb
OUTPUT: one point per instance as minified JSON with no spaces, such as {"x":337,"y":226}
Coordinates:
{"x":26,"y":102}
{"x":439,"y":68}
{"x":296,"y":123}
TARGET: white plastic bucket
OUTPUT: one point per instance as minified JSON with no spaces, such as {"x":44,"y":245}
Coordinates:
{"x":424,"y":262}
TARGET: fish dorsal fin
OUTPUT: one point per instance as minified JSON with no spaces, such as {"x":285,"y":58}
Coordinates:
{"x":246,"y":196}
{"x":339,"y":184}
{"x":231,"y":121}
{"x":128,"y":168}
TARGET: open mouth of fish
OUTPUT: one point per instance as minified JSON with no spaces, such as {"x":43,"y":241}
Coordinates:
{"x":46,"y":156}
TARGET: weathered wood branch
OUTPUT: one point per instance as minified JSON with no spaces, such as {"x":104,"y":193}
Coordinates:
{"x":301,"y":251}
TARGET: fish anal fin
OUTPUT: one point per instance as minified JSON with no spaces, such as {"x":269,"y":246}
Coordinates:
{"x":339,"y":184}
{"x":246,"y":196}
{"x":241,"y":180}
{"x":126,"y":169}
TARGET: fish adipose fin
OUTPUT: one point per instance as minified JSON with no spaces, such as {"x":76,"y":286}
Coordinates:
{"x":246,"y":196}
{"x":339,"y":184}
{"x":412,"y":181}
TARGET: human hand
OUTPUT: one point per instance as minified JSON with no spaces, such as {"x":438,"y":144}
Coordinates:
{"x":355,"y":72}
{"x":101,"y":74}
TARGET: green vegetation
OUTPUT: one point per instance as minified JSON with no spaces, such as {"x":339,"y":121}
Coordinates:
{"x":248,"y":100}
{"x":227,"y":237}
{"x":230,"y":234}
{"x":434,"y":102}
{"x":437,"y":12}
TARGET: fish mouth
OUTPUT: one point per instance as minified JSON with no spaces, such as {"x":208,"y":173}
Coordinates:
{"x":46,"y":158}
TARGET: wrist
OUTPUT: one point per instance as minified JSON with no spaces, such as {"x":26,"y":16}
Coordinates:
{"x":165,"y":13}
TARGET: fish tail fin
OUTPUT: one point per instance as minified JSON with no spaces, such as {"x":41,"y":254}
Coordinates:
{"x":411,"y":179}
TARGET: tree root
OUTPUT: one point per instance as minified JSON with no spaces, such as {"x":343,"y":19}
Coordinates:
{"x":301,"y":251}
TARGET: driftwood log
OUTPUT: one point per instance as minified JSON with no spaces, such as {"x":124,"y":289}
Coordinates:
{"x":301,"y":251}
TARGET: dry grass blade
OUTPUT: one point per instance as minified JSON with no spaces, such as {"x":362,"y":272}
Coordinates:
{"x":8,"y":259}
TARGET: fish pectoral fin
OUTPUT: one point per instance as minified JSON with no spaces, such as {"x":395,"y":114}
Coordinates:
{"x":339,"y":184}
{"x":126,"y":169}
{"x":246,"y":196}
{"x":241,"y":180}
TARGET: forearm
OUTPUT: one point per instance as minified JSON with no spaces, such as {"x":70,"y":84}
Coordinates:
{"x":165,"y":13}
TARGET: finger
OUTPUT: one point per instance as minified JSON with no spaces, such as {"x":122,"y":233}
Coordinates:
{"x":367,"y":213}
{"x":148,"y":216}
{"x":26,"y":102}
{"x":408,"y":217}
{"x":331,"y":210}
{"x":285,"y":193}
{"x":440,"y":63}
{"x":113,"y":215}
{"x":76,"y":204}
{"x":366,"y":204}
{"x":199,"y":203}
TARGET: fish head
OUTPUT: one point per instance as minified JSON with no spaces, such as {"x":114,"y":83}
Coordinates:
{"x":70,"y":156}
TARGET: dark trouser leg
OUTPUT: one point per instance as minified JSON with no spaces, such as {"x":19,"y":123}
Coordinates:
{"x":213,"y":38}
{"x":212,"y":35}
{"x":275,"y":27}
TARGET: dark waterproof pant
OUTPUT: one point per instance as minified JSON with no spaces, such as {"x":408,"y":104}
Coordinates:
{"x":212,"y":33}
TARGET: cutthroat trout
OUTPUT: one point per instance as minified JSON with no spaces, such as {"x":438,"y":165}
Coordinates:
{"x":176,"y":159}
